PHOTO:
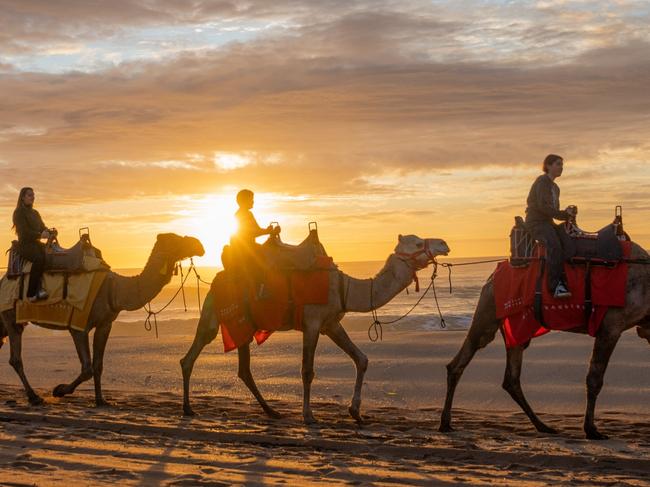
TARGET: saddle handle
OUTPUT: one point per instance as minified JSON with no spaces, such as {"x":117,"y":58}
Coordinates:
{"x":618,"y":212}
{"x":314,"y":225}
{"x":84,"y":231}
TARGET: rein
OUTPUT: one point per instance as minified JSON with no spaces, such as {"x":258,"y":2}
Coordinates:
{"x":375,"y":330}
{"x":154,"y":314}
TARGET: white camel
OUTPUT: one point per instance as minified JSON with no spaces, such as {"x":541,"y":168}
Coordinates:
{"x":345,"y":294}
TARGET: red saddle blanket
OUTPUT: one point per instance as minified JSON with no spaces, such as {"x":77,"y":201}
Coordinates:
{"x":514,"y":294}
{"x":288,"y":293}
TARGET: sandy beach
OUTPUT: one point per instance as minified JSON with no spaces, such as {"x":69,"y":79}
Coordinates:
{"x":144,"y":439}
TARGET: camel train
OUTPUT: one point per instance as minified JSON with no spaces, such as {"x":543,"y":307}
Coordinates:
{"x":236,"y":303}
{"x":345,"y":293}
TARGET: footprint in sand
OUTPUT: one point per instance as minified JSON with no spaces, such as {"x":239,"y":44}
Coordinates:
{"x":28,"y":465}
{"x":114,"y":472}
{"x":195,"y":479}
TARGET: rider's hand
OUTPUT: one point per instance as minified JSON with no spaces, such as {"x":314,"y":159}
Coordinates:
{"x":572,"y":210}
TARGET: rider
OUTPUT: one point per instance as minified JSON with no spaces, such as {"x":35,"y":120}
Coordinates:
{"x":243,"y":241}
{"x":544,"y":207}
{"x":30,"y":229}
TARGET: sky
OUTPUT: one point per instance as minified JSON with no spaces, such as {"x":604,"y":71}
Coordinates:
{"x":372,"y":118}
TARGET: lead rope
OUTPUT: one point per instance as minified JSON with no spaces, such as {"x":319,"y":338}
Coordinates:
{"x":150,"y":313}
{"x":375,"y":330}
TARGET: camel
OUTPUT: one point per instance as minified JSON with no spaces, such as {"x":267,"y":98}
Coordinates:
{"x":485,"y":325}
{"x":345,"y":294}
{"x":117,"y":293}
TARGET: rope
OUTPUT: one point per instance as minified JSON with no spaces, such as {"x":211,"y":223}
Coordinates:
{"x":154,"y":314}
{"x":449,"y":265}
{"x":375,"y":330}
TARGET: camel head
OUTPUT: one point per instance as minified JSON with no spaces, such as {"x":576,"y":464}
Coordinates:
{"x":177,"y":247}
{"x":420,"y":251}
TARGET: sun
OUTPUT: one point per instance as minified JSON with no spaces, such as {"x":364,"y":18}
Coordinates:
{"x":212,"y":221}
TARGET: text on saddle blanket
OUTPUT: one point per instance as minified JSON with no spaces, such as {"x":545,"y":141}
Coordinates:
{"x":514,"y":294}
{"x":288,"y":293}
{"x":70,"y":310}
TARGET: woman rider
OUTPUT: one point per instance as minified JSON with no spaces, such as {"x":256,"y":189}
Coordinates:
{"x":30,"y":229}
{"x":544,"y":207}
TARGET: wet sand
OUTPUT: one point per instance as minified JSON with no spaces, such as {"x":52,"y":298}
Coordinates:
{"x":144,"y":440}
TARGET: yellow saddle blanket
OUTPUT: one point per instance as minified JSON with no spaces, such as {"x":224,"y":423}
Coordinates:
{"x":71,"y":312}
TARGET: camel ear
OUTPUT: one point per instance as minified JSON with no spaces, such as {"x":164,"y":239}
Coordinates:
{"x":400,"y":238}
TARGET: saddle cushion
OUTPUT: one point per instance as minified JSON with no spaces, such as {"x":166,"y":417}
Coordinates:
{"x":289,"y":293}
{"x":278,"y":255}
{"x":514,"y":294}
{"x":55,"y":310}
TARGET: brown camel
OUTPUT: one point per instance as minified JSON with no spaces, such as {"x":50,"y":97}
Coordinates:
{"x":345,"y":294}
{"x":485,"y":325}
{"x":117,"y":293}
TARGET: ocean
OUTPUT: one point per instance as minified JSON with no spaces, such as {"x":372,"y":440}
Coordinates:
{"x":457,"y":307}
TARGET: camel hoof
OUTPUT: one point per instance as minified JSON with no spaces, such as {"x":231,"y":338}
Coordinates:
{"x":188,"y":411}
{"x":547,"y":430}
{"x":272,"y":413}
{"x":309,"y":419}
{"x":445,"y":428}
{"x":596,"y":435}
{"x":102,"y":403}
{"x":36,"y":400}
{"x":59,"y":391}
{"x":354,"y":412}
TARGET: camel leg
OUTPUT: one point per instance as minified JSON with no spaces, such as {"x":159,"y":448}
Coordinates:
{"x":102,"y":332}
{"x":309,"y":342}
{"x":604,"y":345}
{"x":80,"y":339}
{"x":512,"y":384}
{"x":246,"y":376}
{"x":206,"y":331}
{"x":481,"y":333}
{"x":339,"y":336}
{"x":15,"y":333}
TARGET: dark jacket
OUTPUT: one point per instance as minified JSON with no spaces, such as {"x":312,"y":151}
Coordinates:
{"x":543,"y":207}
{"x":29,"y":226}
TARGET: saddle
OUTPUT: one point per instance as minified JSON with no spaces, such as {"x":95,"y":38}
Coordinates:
{"x":601,"y":247}
{"x":58,"y":259}
{"x":275,"y":255}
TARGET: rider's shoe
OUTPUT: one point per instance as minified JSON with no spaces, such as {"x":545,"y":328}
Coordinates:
{"x":561,"y":291}
{"x":262,"y":293}
{"x":40,"y":295}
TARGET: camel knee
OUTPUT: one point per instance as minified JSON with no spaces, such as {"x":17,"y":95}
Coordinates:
{"x":594,"y":384}
{"x":88,"y":372}
{"x":509,"y":385}
{"x":16,"y":363}
{"x":454,"y":371}
{"x":362,"y":363}
{"x":244,"y":375}
{"x":308,"y":375}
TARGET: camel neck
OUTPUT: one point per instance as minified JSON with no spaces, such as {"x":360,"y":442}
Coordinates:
{"x":365,"y":295}
{"x":131,"y":293}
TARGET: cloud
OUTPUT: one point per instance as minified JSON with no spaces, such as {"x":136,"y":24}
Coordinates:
{"x":328,"y":100}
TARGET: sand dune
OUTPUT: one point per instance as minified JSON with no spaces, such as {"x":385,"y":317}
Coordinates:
{"x":144,"y":440}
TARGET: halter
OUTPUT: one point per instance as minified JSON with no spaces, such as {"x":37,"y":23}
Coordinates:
{"x":411,"y":260}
